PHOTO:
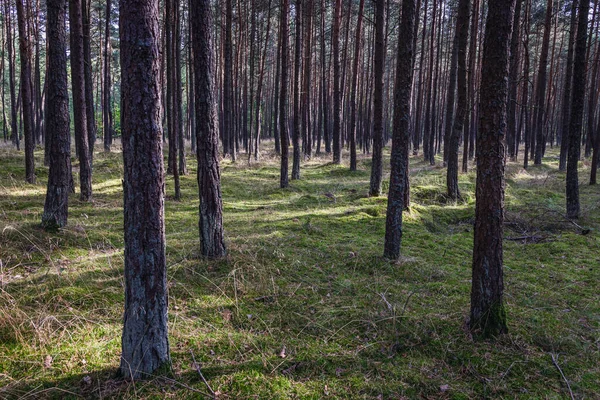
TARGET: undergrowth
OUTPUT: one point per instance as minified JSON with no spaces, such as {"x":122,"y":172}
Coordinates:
{"x":304,"y":306}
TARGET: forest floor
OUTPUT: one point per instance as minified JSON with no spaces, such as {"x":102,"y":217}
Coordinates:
{"x":304,"y":306}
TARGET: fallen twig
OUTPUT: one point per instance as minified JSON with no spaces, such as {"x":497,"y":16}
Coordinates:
{"x":555,"y":362}
{"x":197,"y":366}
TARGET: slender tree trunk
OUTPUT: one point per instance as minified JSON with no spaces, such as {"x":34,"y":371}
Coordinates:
{"x":145,"y":341}
{"x":470,"y":117}
{"x":379,"y":66}
{"x":540,"y":110}
{"x":462,"y":41}
{"x":79,"y":98}
{"x":283,"y":113}
{"x":26,"y":95}
{"x":306,"y":79}
{"x":488,"y":315}
{"x":401,"y":134}
{"x":324,"y":83}
{"x":577,"y":104}
{"x":228,"y":135}
{"x":337,"y":90}
{"x":353,"y":86}
{"x":513,"y":83}
{"x":592,"y":101}
{"x":296,"y":100}
{"x":88,"y":79}
{"x":11,"y":77}
{"x":207,"y":137}
{"x":107,"y":114}
{"x":57,"y":118}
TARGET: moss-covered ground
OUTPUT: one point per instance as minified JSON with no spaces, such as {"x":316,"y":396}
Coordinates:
{"x":304,"y":306}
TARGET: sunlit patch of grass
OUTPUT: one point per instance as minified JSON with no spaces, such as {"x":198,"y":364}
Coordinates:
{"x":304,"y":306}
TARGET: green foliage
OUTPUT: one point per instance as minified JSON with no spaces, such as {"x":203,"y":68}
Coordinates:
{"x":305,"y":306}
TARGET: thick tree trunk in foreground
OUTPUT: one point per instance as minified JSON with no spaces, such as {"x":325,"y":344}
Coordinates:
{"x":462,"y":40}
{"x":378,"y":90}
{"x":26,"y":94}
{"x":79,"y":98}
{"x":401,"y":135}
{"x":488,"y":315}
{"x":57,"y":118}
{"x":212,"y":244}
{"x":145,"y":344}
{"x":576,"y":122}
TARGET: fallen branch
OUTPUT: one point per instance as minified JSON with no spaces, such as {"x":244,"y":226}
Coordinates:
{"x":197,"y":366}
{"x":555,"y":362}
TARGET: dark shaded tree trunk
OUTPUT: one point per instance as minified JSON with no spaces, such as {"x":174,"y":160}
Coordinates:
{"x":26,"y":91}
{"x":89,"y":83}
{"x":306,"y":79}
{"x":470,"y":122}
{"x":353,"y":86}
{"x":212,"y":243}
{"x":11,"y":77}
{"x":145,"y":342}
{"x":296,"y":94}
{"x":462,"y":41}
{"x":179,"y":90}
{"x":429,"y":128}
{"x":337,"y":89}
{"x":401,"y":134}
{"x":107,"y":112}
{"x":283,"y":113}
{"x":378,"y":93}
{"x":566,"y":105}
{"x":324,"y":84}
{"x":172,"y":98}
{"x":228,"y":135}
{"x":488,"y":315}
{"x":513,"y":83}
{"x":577,"y":104}
{"x":591,"y":116}
{"x":540,"y":111}
{"x":79,"y":98}
{"x":57,"y":118}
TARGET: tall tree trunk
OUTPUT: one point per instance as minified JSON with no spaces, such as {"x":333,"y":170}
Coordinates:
{"x":379,"y":66}
{"x":179,"y":89}
{"x":337,"y":90}
{"x":540,"y":111}
{"x":429,"y":127}
{"x":324,"y":83}
{"x":513,"y":83}
{"x":228,"y":135}
{"x":462,"y":41}
{"x":577,"y":104}
{"x":89,"y":83}
{"x":470,"y":117}
{"x":283,"y":113}
{"x":306,"y":79}
{"x":79,"y":98}
{"x":401,"y":134}
{"x":297,"y":64}
{"x":145,"y":341}
{"x":11,"y":77}
{"x":261,"y":75}
{"x":212,"y":243}
{"x":107,"y":112}
{"x":592,"y":101}
{"x":26,"y":95}
{"x":488,"y":315}
{"x":57,"y":118}
{"x":353,"y":86}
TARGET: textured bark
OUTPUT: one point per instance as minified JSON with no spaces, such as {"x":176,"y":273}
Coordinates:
{"x":353,"y":86}
{"x":540,"y":111}
{"x":296,"y":94}
{"x":450,"y":94}
{"x":179,"y":91}
{"x":513,"y":83}
{"x":306,"y":78}
{"x":324,"y":84}
{"x":89,"y":84}
{"x":566,"y":105}
{"x":379,"y":66}
{"x":107,"y":108}
{"x":401,"y":134}
{"x":577,"y":104}
{"x":212,"y":243}
{"x":488,"y":316}
{"x":470,"y":124}
{"x":79,"y":98}
{"x":462,"y":40}
{"x":26,"y":91}
{"x":57,"y":118}
{"x":11,"y":77}
{"x":259,"y":89}
{"x":591,"y":116}
{"x":145,"y":344}
{"x":337,"y":90}
{"x":228,"y":135}
{"x":283,"y":114}
{"x":429,"y":128}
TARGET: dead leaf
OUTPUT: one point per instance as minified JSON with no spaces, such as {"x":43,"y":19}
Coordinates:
{"x":282,"y":353}
{"x":444,"y":388}
{"x":47,"y":362}
{"x":226,"y":315}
